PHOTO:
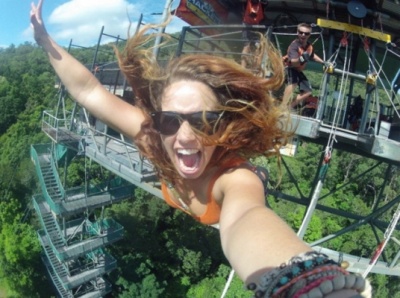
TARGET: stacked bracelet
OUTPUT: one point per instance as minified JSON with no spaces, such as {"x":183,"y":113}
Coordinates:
{"x":313,"y":286}
{"x":309,"y":275}
{"x":273,"y":280}
{"x":323,"y":287}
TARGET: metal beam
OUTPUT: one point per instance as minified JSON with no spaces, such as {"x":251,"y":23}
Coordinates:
{"x":354,"y":29}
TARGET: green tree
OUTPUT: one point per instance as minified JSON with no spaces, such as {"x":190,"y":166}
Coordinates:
{"x":213,"y":286}
{"x":20,"y":266}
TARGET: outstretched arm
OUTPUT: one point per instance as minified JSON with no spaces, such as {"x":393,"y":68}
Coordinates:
{"x":318,"y":59}
{"x":253,"y":236}
{"x":257,"y":242}
{"x":83,"y":85}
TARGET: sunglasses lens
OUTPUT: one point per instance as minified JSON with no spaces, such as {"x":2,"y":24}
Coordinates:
{"x":203,"y":122}
{"x":303,"y":33}
{"x":166,"y":123}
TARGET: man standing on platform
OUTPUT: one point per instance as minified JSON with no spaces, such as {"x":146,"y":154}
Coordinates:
{"x":300,"y":51}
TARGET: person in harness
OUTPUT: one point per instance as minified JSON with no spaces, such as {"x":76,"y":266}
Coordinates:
{"x":299,"y":52}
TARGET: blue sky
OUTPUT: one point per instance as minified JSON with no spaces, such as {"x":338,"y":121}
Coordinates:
{"x":79,"y":20}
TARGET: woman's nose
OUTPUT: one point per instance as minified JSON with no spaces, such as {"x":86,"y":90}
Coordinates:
{"x":185,"y":132}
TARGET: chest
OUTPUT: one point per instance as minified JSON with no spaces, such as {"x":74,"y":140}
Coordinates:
{"x":194,"y":197}
{"x":296,"y":49}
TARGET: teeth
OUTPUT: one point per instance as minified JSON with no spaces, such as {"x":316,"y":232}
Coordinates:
{"x":187,"y":151}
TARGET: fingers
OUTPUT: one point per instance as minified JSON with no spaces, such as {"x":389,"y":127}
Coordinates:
{"x":36,"y":11}
{"x":39,"y":30}
{"x":39,"y":8}
{"x":33,"y":8}
{"x":33,"y":13}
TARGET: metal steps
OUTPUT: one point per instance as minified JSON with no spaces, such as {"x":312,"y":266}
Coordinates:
{"x":72,"y":247}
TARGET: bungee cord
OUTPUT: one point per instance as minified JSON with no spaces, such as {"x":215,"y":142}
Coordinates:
{"x":228,"y":283}
{"x":379,"y":73}
{"x":332,"y":134}
{"x":386,"y":237}
{"x":340,"y":99}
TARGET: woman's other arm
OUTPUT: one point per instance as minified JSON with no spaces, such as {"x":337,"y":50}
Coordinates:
{"x":254,"y":239}
{"x":83,"y":85}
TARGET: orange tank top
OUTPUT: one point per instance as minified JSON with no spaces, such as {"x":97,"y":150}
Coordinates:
{"x":213,"y":209}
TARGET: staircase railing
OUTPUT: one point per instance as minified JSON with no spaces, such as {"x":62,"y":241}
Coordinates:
{"x":39,"y":152}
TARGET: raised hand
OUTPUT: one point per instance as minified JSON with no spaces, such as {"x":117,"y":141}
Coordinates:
{"x":39,"y":30}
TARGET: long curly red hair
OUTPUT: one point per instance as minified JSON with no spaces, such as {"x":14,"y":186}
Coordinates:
{"x":255,"y":123}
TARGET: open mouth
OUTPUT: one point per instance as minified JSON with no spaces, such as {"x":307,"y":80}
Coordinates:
{"x":189,"y":159}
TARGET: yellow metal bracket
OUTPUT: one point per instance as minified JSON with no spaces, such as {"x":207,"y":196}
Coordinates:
{"x":354,"y":29}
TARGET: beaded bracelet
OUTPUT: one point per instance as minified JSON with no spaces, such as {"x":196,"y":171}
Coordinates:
{"x":312,"y":286}
{"x":315,"y":274}
{"x":272,"y":281}
{"x":306,"y":276}
{"x":323,"y":287}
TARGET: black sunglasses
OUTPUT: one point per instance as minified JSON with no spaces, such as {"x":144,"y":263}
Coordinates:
{"x":303,"y":33}
{"x":168,"y":123}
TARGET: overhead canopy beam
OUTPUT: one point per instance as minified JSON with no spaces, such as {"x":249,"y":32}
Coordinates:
{"x":354,"y":29}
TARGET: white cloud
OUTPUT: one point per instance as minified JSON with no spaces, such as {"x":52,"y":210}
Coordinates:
{"x":176,"y":25}
{"x":82,"y":20}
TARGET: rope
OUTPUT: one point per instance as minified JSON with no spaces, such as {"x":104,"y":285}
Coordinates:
{"x":326,"y":160}
{"x":327,"y":9}
{"x":322,"y":40}
{"x":345,"y":75}
{"x":388,"y":233}
{"x":228,"y":283}
{"x":379,"y":73}
{"x":328,"y":149}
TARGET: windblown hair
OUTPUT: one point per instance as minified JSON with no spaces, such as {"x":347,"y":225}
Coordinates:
{"x":254,"y":122}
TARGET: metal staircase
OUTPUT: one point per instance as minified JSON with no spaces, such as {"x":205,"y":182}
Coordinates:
{"x":72,"y":239}
{"x":73,"y":252}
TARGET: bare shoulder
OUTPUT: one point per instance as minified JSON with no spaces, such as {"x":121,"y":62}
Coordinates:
{"x":242,"y":191}
{"x":241,"y":186}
